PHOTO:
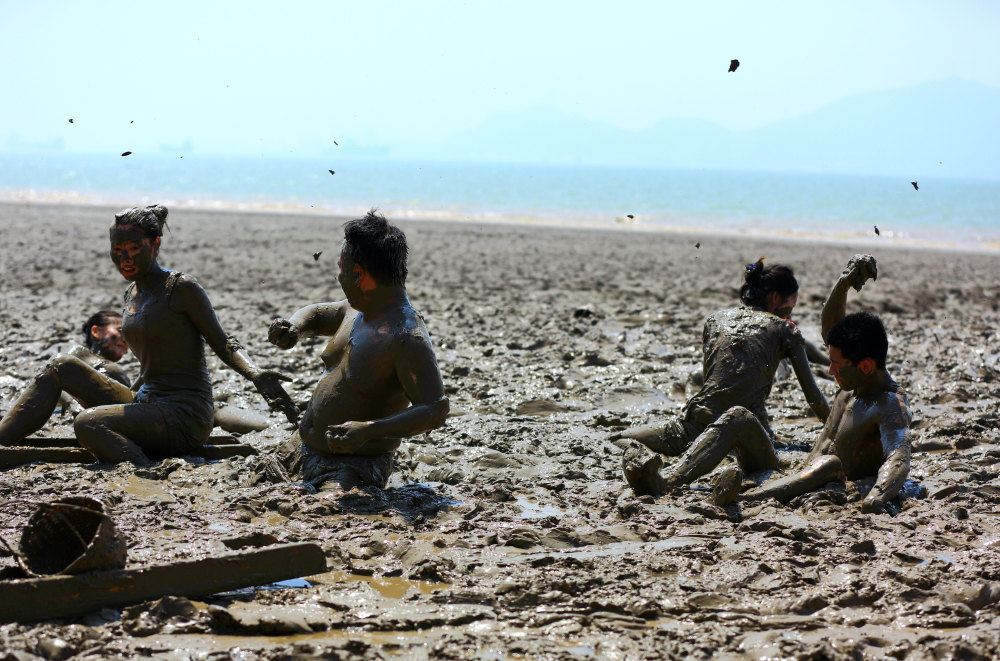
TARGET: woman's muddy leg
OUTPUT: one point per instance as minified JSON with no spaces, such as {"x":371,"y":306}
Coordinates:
{"x":824,"y":469}
{"x":669,"y":438}
{"x":64,"y":373}
{"x":123,"y":433}
{"x":736,"y":430}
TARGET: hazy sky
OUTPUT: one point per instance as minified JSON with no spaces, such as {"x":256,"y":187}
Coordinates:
{"x":279,"y":77}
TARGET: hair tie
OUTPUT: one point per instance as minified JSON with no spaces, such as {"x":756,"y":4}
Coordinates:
{"x":756,"y":266}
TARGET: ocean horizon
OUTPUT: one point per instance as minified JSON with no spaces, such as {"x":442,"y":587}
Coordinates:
{"x":944,"y":213}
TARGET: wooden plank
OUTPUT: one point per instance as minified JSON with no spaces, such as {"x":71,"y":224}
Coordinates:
{"x":11,"y":457}
{"x":33,"y":599}
{"x":70,"y":442}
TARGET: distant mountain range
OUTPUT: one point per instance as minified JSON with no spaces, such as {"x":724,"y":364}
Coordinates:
{"x":949,"y":128}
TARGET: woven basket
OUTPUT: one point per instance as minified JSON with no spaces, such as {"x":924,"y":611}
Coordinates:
{"x":70,"y":536}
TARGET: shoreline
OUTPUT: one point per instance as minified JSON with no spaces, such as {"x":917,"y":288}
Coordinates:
{"x":548,"y":221}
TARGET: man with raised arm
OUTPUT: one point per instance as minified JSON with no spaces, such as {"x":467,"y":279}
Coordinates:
{"x":868,"y":431}
{"x":382,"y":381}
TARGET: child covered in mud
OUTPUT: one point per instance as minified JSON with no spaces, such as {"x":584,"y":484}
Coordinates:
{"x":382,"y":381}
{"x":868,"y":431}
{"x":743,"y":347}
{"x":167,"y":320}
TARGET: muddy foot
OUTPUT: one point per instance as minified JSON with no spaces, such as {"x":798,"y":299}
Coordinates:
{"x":727,"y":486}
{"x":642,"y":471}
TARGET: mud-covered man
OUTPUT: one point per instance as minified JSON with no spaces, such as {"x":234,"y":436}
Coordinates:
{"x":868,"y":431}
{"x":382,"y":381}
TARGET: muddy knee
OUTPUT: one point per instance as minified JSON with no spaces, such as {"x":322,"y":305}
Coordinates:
{"x":60,"y":366}
{"x":63,"y":362}
{"x":827,"y":466}
{"x":87,"y":426}
{"x":737,"y":415}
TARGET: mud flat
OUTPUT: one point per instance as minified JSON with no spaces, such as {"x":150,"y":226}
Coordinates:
{"x":509,"y":533}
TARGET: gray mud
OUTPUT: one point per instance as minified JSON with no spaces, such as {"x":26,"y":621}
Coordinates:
{"x":510,"y":533}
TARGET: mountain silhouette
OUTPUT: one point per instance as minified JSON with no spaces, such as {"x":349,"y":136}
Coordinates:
{"x":949,"y":128}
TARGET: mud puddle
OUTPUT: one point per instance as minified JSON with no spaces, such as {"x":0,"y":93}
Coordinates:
{"x":390,"y":587}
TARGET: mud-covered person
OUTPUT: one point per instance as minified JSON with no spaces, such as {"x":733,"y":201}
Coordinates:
{"x":743,"y":347}
{"x":381,"y":381}
{"x":868,"y":432}
{"x":167,"y":320}
{"x":104,"y":346}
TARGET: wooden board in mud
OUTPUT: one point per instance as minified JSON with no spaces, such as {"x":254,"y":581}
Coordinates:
{"x":70,"y":442}
{"x":33,"y":599}
{"x":11,"y":457}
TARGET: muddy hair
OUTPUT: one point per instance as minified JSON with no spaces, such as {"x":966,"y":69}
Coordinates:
{"x":151,"y":220}
{"x":378,"y":246}
{"x":860,"y":335}
{"x":760,"y":280}
{"x":99,"y":319}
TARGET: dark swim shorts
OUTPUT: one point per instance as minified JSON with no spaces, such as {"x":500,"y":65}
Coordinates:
{"x":188,"y":419}
{"x":332,"y":471}
{"x":678,"y":434}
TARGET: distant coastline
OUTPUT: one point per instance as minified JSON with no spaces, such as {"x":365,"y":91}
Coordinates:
{"x":691,"y":229}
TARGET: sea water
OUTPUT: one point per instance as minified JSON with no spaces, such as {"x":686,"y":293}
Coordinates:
{"x":944,"y":212}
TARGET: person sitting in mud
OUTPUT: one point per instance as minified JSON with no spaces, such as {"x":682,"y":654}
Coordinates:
{"x":743,"y":347}
{"x":104,"y":346}
{"x":868,"y":431}
{"x":167,"y":320}
{"x":382,"y":381}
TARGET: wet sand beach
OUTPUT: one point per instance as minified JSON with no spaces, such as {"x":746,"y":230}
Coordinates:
{"x":510,"y":533}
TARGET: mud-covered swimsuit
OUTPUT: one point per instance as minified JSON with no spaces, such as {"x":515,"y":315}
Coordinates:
{"x":743,"y":348}
{"x":174,"y":374}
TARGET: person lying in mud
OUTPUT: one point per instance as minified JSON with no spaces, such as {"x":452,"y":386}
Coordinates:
{"x":104,"y":346}
{"x":743,"y":347}
{"x":382,"y":381}
{"x":868,"y":432}
{"x":167,"y":320}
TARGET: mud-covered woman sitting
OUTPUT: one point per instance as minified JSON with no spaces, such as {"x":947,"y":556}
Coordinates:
{"x":743,"y":347}
{"x":167,"y":319}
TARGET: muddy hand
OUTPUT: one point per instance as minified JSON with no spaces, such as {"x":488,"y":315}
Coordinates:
{"x":347,"y":435}
{"x":268,"y":384}
{"x":860,"y":270}
{"x":283,"y":334}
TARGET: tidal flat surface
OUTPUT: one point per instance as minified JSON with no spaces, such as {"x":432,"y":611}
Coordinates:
{"x":510,"y":533}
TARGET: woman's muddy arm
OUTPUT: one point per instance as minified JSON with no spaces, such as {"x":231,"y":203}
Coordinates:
{"x":190,"y":298}
{"x":816,"y":355}
{"x":859,"y":270}
{"x":817,"y":401}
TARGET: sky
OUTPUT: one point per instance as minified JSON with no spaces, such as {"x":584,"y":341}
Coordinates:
{"x":288,"y":78}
